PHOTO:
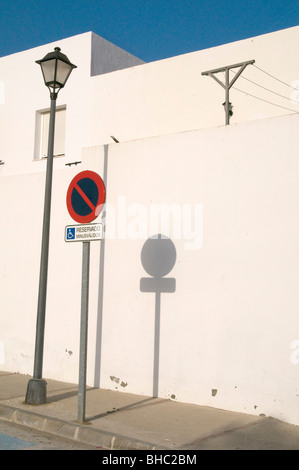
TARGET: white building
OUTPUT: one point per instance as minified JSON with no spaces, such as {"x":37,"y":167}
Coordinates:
{"x":224,"y":331}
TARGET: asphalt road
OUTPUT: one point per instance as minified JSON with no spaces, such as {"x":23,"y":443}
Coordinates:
{"x":15,"y":437}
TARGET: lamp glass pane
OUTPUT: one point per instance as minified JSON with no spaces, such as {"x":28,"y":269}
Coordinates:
{"x":48,"y":69}
{"x":63,"y":71}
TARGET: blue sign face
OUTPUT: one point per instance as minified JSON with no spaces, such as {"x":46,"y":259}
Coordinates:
{"x":86,"y":196}
{"x":70,"y":233}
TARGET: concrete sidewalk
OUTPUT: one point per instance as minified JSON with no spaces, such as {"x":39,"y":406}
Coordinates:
{"x":117,"y":420}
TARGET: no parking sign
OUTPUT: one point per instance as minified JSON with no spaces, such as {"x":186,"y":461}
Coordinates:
{"x":85,"y":196}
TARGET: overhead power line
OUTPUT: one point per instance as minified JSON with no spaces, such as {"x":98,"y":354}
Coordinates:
{"x":261,"y":86}
{"x":275,"y":78}
{"x":266,"y":101}
{"x":227,"y":84}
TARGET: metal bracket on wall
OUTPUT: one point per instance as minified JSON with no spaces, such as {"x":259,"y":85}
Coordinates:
{"x":228,"y":84}
{"x":72,"y":163}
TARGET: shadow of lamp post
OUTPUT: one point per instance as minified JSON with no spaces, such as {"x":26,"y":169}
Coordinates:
{"x":56,"y":69}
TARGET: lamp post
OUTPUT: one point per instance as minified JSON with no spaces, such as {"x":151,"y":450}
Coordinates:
{"x":56,"y":68}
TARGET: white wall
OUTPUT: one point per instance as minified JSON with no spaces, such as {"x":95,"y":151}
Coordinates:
{"x":171,"y":95}
{"x":232,"y":319}
{"x":23,"y":93}
{"x":141,"y":101}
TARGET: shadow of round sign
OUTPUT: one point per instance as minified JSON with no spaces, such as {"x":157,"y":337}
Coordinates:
{"x":85,"y":196}
{"x":158,"y":255}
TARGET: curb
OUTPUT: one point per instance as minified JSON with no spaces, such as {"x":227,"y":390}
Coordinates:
{"x":73,"y":431}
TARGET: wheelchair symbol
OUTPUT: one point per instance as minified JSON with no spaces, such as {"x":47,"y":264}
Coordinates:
{"x":70,"y":233}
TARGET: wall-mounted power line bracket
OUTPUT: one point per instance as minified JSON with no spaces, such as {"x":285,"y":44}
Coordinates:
{"x":228,"y":83}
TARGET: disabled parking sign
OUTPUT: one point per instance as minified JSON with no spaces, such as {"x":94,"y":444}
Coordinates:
{"x":83,"y":233}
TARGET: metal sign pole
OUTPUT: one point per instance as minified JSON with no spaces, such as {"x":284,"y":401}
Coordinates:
{"x":85,"y":199}
{"x":83,"y":331}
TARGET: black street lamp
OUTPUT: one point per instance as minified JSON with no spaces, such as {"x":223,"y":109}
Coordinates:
{"x":56,"y":68}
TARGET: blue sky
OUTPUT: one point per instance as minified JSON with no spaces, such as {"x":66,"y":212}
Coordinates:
{"x":149,"y":29}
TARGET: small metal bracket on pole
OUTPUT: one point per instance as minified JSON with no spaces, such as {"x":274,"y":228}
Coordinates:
{"x":228,"y":84}
{"x":83,"y":331}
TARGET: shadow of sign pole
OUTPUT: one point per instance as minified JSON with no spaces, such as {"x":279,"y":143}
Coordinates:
{"x":158,"y":257}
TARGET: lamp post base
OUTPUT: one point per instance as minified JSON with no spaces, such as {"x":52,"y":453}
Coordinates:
{"x":36,"y":392}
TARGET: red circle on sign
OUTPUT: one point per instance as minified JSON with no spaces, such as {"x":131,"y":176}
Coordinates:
{"x":85,"y":196}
